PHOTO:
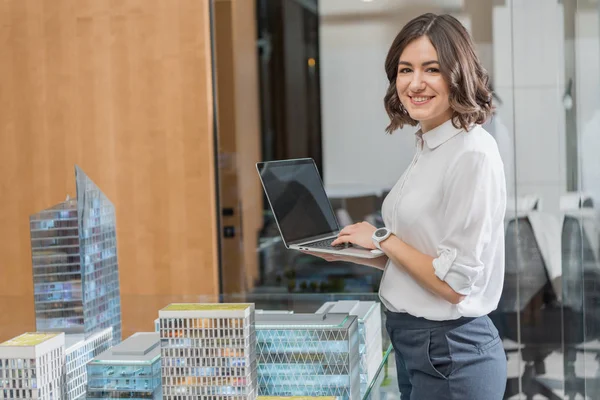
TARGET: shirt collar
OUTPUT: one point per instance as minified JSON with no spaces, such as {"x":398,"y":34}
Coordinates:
{"x":440,"y":135}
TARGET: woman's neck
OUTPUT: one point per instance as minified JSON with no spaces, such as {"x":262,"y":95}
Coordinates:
{"x":428,"y":125}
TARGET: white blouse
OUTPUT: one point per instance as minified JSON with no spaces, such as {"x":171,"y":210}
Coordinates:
{"x":449,"y":204}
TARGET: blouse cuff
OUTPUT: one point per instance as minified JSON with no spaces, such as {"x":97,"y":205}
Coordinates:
{"x":459,"y":277}
{"x":442,"y":264}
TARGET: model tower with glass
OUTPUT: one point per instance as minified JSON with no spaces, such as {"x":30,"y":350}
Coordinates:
{"x":208,"y":351}
{"x":308,"y":355}
{"x":32,"y":366}
{"x":129,"y":370}
{"x":75,"y":267}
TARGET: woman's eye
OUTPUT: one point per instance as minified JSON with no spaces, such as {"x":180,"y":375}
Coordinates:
{"x":404,"y":71}
{"x":433,"y":70}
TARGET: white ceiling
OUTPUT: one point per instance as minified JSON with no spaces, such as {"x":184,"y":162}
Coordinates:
{"x":351,"y":7}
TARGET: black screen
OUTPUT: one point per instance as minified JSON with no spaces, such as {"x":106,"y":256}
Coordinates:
{"x":297,"y":198}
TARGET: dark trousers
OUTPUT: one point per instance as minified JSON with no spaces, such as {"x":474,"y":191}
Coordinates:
{"x":461,"y":359}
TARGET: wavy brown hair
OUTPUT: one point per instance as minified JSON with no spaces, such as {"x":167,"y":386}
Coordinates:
{"x":470,"y":94}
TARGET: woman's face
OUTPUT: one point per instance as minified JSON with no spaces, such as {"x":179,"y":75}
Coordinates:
{"x":420,"y":85}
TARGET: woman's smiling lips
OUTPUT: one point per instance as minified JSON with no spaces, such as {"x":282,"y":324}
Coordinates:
{"x":420,"y":100}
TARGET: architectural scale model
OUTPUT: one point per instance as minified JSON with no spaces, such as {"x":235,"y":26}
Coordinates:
{"x":130,"y":370}
{"x":32,"y":366}
{"x":308,"y":355}
{"x":297,"y":398}
{"x":208,"y":351}
{"x":79,"y":351}
{"x":369,"y":332}
{"x":75,"y":268}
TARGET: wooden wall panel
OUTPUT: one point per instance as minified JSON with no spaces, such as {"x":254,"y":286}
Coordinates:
{"x":122,"y":88}
{"x":248,"y":134}
{"x":239,"y":139}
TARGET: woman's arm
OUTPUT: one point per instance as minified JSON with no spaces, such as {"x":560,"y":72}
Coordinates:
{"x":417,"y":264}
{"x":420,"y":267}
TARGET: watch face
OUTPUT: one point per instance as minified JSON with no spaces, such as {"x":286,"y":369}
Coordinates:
{"x":380,"y":232}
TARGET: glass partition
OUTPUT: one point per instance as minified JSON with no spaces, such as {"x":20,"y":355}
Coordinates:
{"x":322,"y":62}
{"x":582,"y":213}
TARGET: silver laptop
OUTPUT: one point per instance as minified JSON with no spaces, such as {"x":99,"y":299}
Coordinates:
{"x":301,"y":208}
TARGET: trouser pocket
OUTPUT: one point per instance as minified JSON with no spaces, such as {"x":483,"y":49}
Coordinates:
{"x":424,"y":351}
{"x":438,"y":353}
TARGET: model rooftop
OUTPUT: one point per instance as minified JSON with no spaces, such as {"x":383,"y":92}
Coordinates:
{"x":73,"y":339}
{"x":140,"y":348}
{"x":29,"y":339}
{"x":303,"y":321}
{"x":207,"y":307}
{"x":362,"y":309}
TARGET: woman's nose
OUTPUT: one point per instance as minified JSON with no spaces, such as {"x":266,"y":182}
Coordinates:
{"x":417,"y":84}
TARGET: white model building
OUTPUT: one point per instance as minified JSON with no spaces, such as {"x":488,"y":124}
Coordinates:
{"x":32,"y":366}
{"x":369,"y":330}
{"x":79,"y":351}
{"x":308,"y":355}
{"x":208,"y":351}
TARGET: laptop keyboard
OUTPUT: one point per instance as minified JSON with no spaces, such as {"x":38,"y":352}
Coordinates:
{"x":326,"y":244}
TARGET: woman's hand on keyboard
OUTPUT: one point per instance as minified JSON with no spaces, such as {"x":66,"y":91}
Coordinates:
{"x":359,"y":234}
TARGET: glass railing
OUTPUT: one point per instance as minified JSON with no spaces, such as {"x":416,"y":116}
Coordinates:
{"x":383,"y":381}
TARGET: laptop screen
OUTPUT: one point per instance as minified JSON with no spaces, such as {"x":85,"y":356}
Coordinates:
{"x":297,"y":198}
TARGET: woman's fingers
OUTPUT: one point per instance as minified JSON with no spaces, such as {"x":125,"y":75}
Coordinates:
{"x":342,"y":239}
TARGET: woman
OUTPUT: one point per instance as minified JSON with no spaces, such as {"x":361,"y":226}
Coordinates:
{"x":444,"y":235}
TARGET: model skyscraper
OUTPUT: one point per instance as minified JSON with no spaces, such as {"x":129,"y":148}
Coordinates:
{"x":208,"y":351}
{"x":75,"y":267}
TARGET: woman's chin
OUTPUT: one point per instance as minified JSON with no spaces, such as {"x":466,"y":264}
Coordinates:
{"x":419,"y":115}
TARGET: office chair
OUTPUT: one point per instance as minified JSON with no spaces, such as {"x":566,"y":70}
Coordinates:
{"x":528,"y":296}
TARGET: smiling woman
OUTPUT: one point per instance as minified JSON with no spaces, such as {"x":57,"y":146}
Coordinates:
{"x":444,"y":231}
{"x":421,"y":86}
{"x":445,"y":216}
{"x":435,"y":66}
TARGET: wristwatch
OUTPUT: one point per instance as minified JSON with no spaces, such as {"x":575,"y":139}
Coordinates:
{"x":379,"y":236}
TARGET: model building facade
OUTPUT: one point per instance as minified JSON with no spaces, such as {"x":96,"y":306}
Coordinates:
{"x":129,"y":370}
{"x":208,"y":351}
{"x":297,"y":398}
{"x":308,"y":355}
{"x":75,"y":267}
{"x":369,"y":334}
{"x":32,"y":366}
{"x":79,"y":350}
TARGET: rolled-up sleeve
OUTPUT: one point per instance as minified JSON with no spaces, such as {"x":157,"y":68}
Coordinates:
{"x":471,"y":200}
